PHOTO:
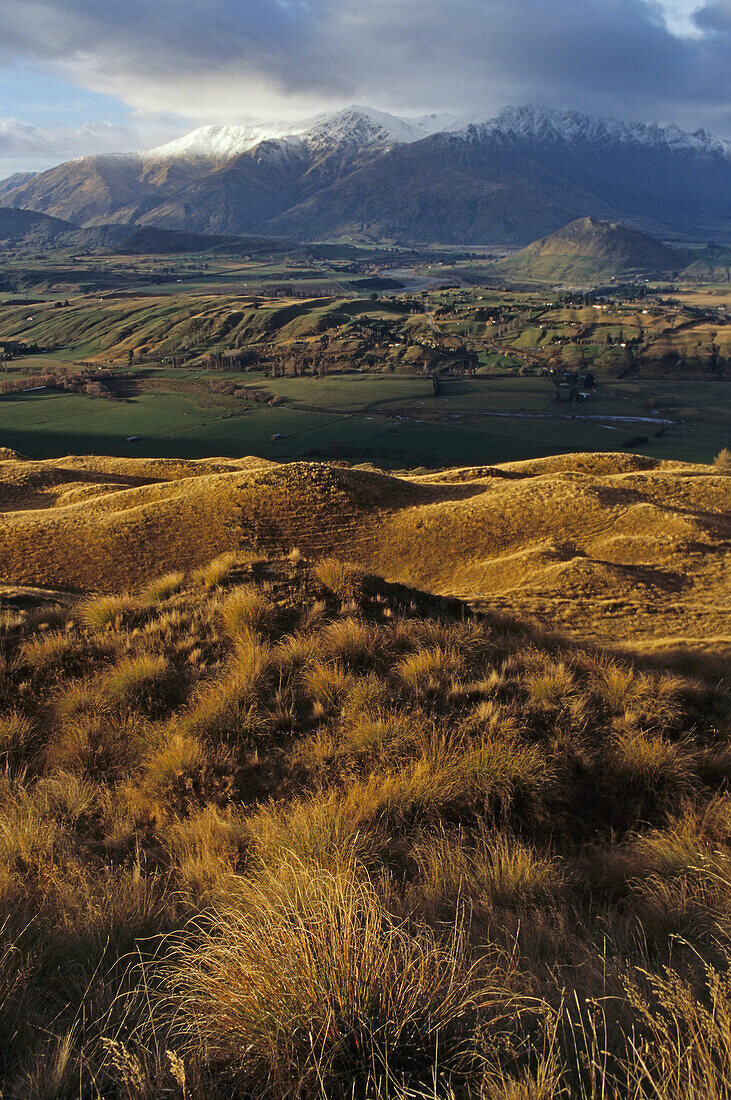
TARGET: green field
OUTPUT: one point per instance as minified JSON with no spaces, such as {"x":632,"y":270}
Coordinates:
{"x":394,"y":422}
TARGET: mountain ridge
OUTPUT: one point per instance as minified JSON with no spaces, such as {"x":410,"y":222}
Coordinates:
{"x":361,"y":174}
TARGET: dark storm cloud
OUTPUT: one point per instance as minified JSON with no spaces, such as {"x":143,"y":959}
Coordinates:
{"x":223,"y":58}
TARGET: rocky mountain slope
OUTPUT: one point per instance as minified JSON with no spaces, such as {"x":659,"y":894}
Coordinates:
{"x":364,"y":174}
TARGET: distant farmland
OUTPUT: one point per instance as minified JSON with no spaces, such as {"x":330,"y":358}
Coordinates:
{"x":394,"y":422}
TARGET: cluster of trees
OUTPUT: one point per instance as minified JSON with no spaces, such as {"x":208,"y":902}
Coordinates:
{"x":90,"y":385}
{"x":243,"y":393}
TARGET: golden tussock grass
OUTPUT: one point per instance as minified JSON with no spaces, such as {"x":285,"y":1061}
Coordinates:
{"x":246,"y":610}
{"x":161,"y":588}
{"x":259,"y":838}
{"x":385,"y":1003}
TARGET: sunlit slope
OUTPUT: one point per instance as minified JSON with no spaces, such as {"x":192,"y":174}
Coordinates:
{"x":607,"y":545}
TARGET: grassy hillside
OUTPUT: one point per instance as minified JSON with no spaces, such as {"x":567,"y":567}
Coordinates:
{"x":607,"y":544}
{"x":278,"y":829}
{"x":588,"y":251}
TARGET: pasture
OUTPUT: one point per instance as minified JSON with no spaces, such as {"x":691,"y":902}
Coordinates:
{"x":392,"y":421}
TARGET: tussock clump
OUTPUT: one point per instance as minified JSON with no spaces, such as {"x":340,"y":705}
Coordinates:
{"x":109,"y":611}
{"x":357,"y":644}
{"x":246,"y":611}
{"x":53,"y":654}
{"x":343,"y":580}
{"x":722,"y":461}
{"x":19,"y":740}
{"x":328,"y":685}
{"x":326,"y":802}
{"x":217,"y":571}
{"x":162,"y":588}
{"x":310,"y":982}
{"x":182,"y":776}
{"x":551,"y":686}
{"x":104,"y":746}
{"x":497,"y":870}
{"x":430,"y":670}
{"x":207,"y":849}
{"x":224,"y":709}
{"x":647,"y":777}
{"x":144,"y":682}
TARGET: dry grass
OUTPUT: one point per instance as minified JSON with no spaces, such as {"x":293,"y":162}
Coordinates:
{"x":162,"y":588}
{"x":107,"y":610}
{"x":617,"y":539}
{"x":722,"y":461}
{"x":246,"y":610}
{"x":144,"y":682}
{"x":217,"y":571}
{"x":310,"y":987}
{"x":271,"y":843}
{"x":343,"y":580}
{"x":430,"y":670}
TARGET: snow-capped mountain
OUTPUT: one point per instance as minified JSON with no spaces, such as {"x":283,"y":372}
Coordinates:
{"x":531,"y":123}
{"x":364,"y":174}
{"x":355,"y":128}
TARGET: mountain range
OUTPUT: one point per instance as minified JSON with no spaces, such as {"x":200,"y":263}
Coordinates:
{"x":364,"y":175}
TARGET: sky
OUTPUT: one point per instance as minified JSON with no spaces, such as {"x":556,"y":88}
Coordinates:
{"x":89,"y":76}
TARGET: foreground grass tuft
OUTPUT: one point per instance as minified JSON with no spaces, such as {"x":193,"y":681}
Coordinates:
{"x":310,"y":982}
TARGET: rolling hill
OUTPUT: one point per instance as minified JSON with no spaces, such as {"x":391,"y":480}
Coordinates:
{"x":29,"y":228}
{"x":598,"y":543}
{"x":364,"y":175}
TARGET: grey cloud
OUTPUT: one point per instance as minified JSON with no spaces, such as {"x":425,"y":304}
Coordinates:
{"x":24,"y":147}
{"x":714,"y":17}
{"x":230,"y":58}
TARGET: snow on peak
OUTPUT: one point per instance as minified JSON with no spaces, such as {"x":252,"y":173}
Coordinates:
{"x":219,"y":142}
{"x":354,"y":128}
{"x":573,"y":126}
{"x":351,"y":128}
{"x":363,"y":126}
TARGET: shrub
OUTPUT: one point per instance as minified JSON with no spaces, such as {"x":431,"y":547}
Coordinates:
{"x":722,"y":461}
{"x":310,"y":988}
